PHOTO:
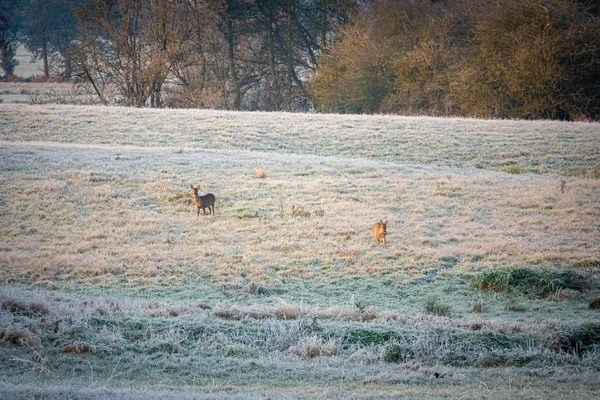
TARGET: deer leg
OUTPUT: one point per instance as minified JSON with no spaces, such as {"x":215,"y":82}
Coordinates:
{"x":384,"y":244}
{"x":197,"y":212}
{"x":376,"y":241}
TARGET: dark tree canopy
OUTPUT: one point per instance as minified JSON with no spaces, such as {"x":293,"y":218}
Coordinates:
{"x":481,"y":58}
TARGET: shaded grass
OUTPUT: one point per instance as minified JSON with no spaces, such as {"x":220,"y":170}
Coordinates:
{"x":539,"y":283}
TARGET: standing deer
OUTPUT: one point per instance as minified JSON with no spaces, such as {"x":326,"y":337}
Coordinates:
{"x":208,"y":200}
{"x":379,"y":230}
{"x":563,"y":186}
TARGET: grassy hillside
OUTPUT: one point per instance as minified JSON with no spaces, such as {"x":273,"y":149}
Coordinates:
{"x":110,"y":283}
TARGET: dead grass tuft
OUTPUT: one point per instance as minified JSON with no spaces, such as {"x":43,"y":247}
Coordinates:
{"x":236,"y":313}
{"x":286,"y":311}
{"x":27,"y":309}
{"x":314,"y":346}
{"x":261,"y":173}
{"x":19,"y":336}
{"x":181,"y":198}
{"x":364,"y":356}
{"x":80,"y":348}
{"x":478,"y":307}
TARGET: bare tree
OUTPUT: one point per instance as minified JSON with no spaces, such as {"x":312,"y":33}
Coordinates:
{"x":133,"y":46}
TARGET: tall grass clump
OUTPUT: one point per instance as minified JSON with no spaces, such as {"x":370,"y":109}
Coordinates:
{"x":582,"y":339}
{"x":539,"y":283}
{"x":514,"y":169}
{"x":433,"y":305}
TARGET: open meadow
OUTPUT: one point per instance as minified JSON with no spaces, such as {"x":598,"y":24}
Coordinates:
{"x":111,"y":287}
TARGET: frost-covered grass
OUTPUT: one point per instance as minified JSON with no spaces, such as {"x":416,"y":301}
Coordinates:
{"x":535,"y":146}
{"x":109,"y":282}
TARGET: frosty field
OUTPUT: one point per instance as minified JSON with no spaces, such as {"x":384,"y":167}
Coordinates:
{"x":110,"y":287}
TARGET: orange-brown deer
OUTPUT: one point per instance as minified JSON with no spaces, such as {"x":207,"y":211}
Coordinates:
{"x":202,"y":202}
{"x":379,"y":230}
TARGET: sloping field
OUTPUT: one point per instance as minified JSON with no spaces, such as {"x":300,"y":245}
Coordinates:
{"x":110,"y":285}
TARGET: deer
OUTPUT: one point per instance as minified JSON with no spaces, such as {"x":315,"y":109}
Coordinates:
{"x":563,"y":186}
{"x":379,"y":230}
{"x":202,"y":202}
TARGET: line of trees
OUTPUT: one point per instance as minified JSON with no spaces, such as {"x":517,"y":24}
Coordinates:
{"x":232,"y":54}
{"x":485,"y":58}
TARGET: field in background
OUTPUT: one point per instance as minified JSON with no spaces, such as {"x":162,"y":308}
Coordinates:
{"x":25,"y":68}
{"x":35,"y":91}
{"x":110,"y":282}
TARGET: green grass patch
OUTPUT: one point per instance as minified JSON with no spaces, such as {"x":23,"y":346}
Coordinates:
{"x":514,"y":169}
{"x":433,"y":305}
{"x":538,"y":283}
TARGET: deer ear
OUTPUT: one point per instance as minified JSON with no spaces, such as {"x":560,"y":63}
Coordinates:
{"x":197,"y":187}
{"x":381,"y":221}
{"x":385,"y":223}
{"x":192,"y":186}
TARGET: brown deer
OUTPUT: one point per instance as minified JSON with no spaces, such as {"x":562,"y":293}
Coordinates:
{"x":379,"y":230}
{"x":208,"y":200}
{"x":563,"y":186}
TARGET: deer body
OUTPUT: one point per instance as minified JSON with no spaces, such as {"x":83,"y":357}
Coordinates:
{"x":202,"y":202}
{"x":379,"y":230}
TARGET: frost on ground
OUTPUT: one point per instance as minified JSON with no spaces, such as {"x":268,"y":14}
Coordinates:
{"x":109,"y":282}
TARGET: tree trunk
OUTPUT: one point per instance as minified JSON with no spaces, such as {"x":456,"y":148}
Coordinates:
{"x":274,"y":96}
{"x":68,"y":68}
{"x":45,"y":59}
{"x":290,"y":56}
{"x":234,"y":77}
{"x":323,"y":25}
